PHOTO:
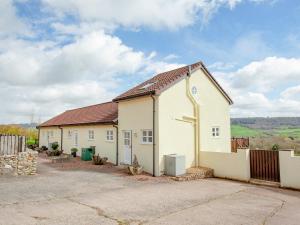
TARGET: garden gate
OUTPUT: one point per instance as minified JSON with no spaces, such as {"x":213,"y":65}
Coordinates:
{"x":264,"y":165}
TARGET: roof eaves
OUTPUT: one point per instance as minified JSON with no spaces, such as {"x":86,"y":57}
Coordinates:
{"x":134,"y":96}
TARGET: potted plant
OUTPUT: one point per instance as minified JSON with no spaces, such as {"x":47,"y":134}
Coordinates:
{"x":74,"y":151}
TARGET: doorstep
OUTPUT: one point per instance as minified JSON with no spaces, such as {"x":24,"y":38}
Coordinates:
{"x":265,"y":183}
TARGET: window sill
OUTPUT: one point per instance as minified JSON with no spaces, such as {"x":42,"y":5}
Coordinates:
{"x":146,"y":143}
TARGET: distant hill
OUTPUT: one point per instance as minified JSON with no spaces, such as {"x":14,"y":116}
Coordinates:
{"x":267,"y":123}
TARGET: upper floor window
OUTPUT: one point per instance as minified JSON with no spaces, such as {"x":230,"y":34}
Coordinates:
{"x":109,"y":135}
{"x":147,"y":136}
{"x":215,"y":131}
{"x":91,"y":135}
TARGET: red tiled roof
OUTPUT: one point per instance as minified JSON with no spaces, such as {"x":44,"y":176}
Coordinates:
{"x":101,"y":113}
{"x":161,"y":81}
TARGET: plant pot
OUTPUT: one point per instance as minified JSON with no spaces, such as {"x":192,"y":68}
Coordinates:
{"x":73,"y":154}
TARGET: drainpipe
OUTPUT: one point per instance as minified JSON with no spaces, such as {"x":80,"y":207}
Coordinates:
{"x":39,"y":133}
{"x":196,"y":120}
{"x":117,"y":143}
{"x":153,"y":134}
{"x":61,"y":137}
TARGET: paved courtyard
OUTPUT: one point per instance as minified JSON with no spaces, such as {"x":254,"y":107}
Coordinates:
{"x":85,"y":197}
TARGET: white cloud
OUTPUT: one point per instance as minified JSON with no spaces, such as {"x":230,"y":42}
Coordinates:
{"x":269,"y":87}
{"x":47,"y":79}
{"x":9,"y":22}
{"x":157,"y":14}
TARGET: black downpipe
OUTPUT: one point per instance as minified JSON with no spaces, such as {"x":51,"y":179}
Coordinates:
{"x":153,"y":134}
{"x":117,"y":143}
{"x":61,"y":137}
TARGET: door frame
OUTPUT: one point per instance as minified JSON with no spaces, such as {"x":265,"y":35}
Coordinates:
{"x":130,"y":139}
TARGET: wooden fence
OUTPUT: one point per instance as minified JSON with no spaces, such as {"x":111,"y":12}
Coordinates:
{"x":12,"y":144}
{"x":239,"y":143}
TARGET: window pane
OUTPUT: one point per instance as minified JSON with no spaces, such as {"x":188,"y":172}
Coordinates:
{"x":144,"y":139}
{"x":150,"y":139}
{"x":144,"y":133}
{"x":150,"y":133}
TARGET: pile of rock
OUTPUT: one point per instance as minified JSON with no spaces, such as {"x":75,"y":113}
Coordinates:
{"x":8,"y":164}
{"x":195,"y":173}
{"x":25,"y":163}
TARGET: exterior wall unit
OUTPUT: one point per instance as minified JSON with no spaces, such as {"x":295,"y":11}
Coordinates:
{"x":49,"y":135}
{"x":289,"y":169}
{"x":214,"y":110}
{"x":134,"y":116}
{"x":104,"y":147}
{"x":228,"y":165}
{"x":176,"y":136}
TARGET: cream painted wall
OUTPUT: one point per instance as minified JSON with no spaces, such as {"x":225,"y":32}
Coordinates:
{"x":214,"y":111}
{"x":135,"y":115}
{"x":228,"y":165}
{"x":103,"y":147}
{"x":175,"y":137}
{"x":47,"y":138}
{"x":289,"y":169}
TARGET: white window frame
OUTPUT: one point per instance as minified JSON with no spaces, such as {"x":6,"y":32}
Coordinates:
{"x":91,"y":135}
{"x":110,"y":135}
{"x":215,"y":131}
{"x":147,"y":137}
{"x":69,"y":134}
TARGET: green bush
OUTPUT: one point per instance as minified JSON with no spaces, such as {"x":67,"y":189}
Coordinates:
{"x":275,"y":147}
{"x":54,"y":145}
{"x":74,"y":150}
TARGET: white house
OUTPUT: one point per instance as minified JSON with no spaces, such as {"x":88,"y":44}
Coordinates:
{"x":182,"y":111}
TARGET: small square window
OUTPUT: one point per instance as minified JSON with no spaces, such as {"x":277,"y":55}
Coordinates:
{"x":91,"y":135}
{"x":147,"y":137}
{"x":109,"y":135}
{"x":215,"y":131}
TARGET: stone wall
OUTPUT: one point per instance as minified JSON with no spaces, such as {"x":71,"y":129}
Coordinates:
{"x":25,"y":163}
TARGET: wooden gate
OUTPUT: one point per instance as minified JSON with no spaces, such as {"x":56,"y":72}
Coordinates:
{"x":264,"y":165}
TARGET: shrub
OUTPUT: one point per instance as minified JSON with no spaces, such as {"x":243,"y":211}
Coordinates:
{"x":275,"y":147}
{"x":54,"y":145}
{"x":74,"y":150}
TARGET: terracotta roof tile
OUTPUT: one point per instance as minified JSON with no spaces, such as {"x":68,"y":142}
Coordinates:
{"x":157,"y":83}
{"x":101,"y":113}
{"x":164,"y":80}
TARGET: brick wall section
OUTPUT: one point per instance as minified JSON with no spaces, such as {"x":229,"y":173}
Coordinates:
{"x":25,"y":163}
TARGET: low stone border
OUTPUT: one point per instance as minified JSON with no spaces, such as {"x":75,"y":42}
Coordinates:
{"x":24,"y":163}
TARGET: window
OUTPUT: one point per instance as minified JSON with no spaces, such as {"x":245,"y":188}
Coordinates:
{"x":215,"y":132}
{"x":109,"y":135}
{"x":69,"y":134}
{"x":91,"y":135}
{"x":147,"y":136}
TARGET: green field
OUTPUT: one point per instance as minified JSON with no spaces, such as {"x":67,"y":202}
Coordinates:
{"x":288,"y":132}
{"x":241,"y":131}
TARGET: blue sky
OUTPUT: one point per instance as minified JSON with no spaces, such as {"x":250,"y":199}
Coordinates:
{"x":56,"y":55}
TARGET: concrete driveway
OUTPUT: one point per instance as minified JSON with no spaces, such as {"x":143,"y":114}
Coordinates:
{"x":86,"y":197}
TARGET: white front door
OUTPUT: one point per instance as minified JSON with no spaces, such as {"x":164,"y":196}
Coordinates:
{"x":127,"y":147}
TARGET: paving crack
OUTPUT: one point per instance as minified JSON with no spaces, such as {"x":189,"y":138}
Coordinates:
{"x":101,"y":212}
{"x":197,"y":204}
{"x":274,"y":212}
